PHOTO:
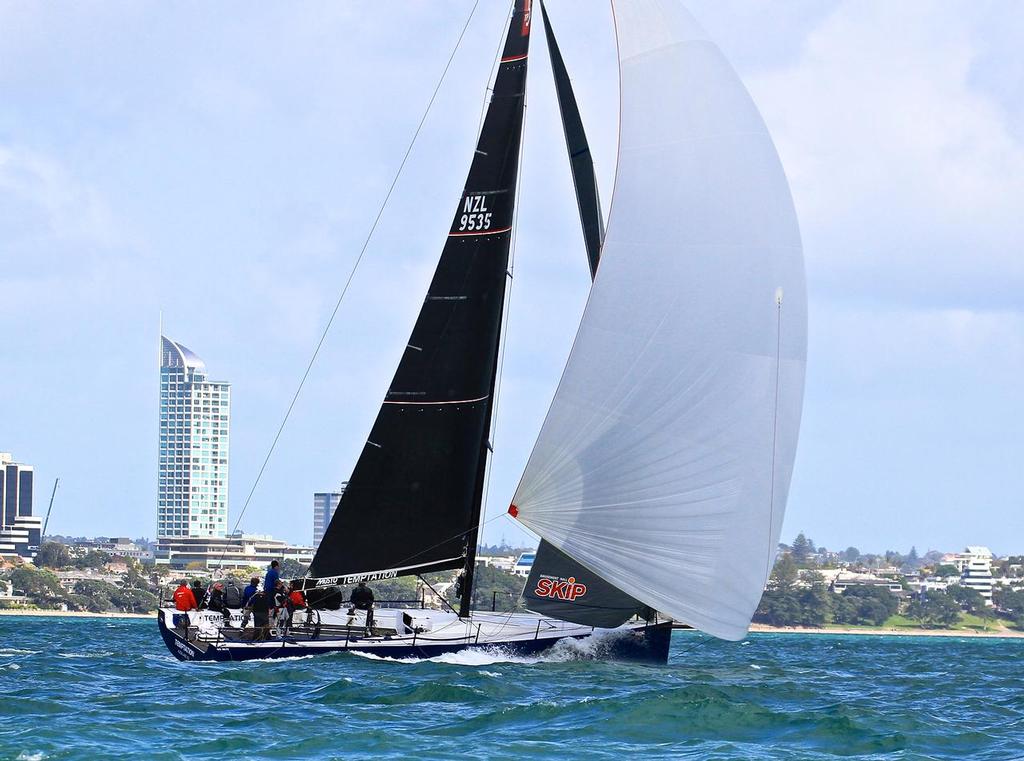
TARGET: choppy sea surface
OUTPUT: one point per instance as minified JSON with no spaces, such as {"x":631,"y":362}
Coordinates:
{"x":79,"y":688}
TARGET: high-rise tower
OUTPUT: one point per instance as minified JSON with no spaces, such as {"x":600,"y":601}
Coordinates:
{"x":324,"y":505}
{"x":20,"y":531}
{"x":195,"y":416}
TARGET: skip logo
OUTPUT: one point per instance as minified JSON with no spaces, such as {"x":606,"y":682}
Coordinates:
{"x":560,"y":589}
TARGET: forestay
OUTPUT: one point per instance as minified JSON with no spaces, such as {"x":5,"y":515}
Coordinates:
{"x":664,"y":462}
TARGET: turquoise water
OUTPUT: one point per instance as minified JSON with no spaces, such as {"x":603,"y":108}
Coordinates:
{"x":75,"y":688}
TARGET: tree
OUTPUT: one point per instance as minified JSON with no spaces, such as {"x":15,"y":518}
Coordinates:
{"x":98,"y":595}
{"x":53,"y":555}
{"x":945,"y":569}
{"x":815,"y":603}
{"x":92,"y":559}
{"x":41,"y":586}
{"x":1010,"y":602}
{"x":865,"y":605}
{"x":893,"y":558}
{"x":912,"y":560}
{"x":292,"y":569}
{"x":135,"y":600}
{"x":936,"y":609}
{"x":969,"y":599}
{"x":784,"y":603}
{"x":850,"y":554}
{"x":803,"y":548}
{"x":785,"y":573}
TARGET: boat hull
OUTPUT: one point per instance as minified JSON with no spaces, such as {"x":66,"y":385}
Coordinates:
{"x":648,"y":643}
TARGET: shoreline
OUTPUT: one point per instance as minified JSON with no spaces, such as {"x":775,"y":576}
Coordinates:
{"x":70,"y":614}
{"x":887,"y":632}
{"x":754,"y":628}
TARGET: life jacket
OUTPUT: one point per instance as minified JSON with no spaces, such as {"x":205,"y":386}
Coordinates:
{"x":184,"y":599}
{"x":297,"y":599}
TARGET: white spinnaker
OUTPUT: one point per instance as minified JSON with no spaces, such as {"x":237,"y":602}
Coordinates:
{"x":664,"y":462}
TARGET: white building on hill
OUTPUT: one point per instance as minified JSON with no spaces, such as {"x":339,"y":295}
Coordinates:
{"x":976,"y":570}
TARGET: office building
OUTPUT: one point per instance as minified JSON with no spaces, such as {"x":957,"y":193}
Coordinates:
{"x":235,"y":551}
{"x":20,"y":531}
{"x":976,"y":571}
{"x":324,"y":505}
{"x":195,"y":417}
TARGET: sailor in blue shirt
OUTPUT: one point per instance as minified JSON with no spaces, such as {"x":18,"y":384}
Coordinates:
{"x":270,"y":581}
{"x":249,"y":591}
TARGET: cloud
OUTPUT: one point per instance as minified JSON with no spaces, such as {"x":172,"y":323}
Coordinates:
{"x":909,"y":180}
{"x":36,"y":184}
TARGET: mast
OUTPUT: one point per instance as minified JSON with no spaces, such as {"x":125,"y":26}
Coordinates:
{"x":413,"y":501}
{"x":513,"y":54}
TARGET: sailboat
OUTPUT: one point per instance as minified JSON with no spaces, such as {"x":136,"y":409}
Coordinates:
{"x":659,"y":478}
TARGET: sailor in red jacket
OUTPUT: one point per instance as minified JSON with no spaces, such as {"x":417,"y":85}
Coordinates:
{"x":183,"y":597}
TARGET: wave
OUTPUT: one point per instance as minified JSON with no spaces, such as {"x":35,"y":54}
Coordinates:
{"x":597,"y":646}
{"x":97,"y":654}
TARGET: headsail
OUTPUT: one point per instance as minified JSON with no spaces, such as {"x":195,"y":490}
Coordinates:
{"x":559,"y":586}
{"x":580,"y":160}
{"x":664,"y":462}
{"x":412,"y":504}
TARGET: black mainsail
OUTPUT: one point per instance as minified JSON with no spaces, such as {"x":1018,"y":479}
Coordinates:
{"x":412,"y":504}
{"x":559,"y":586}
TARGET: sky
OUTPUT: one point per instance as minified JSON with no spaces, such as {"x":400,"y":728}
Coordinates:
{"x":222,"y":164}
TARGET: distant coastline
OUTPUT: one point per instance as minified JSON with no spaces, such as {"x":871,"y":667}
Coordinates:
{"x":70,"y":613}
{"x":887,"y":631}
{"x":754,"y":628}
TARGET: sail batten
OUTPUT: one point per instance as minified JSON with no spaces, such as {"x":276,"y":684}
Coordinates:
{"x":664,"y":462}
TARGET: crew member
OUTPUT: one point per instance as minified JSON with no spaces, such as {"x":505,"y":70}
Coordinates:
{"x":216,"y":602}
{"x":361,"y":599}
{"x":199,"y":592}
{"x":296,"y":600}
{"x":280,"y":603}
{"x":184,"y":599}
{"x":270,"y":580}
{"x":259,"y":607}
{"x":249,"y":591}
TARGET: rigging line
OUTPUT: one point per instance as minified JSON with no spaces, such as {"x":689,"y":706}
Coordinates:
{"x":488,"y":86}
{"x":438,"y":595}
{"x":355,"y":266}
{"x":508,"y":312}
{"x":775,"y":426}
{"x":443,"y":541}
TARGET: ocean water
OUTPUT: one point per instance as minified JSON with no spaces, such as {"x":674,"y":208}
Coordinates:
{"x":84,"y":689}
